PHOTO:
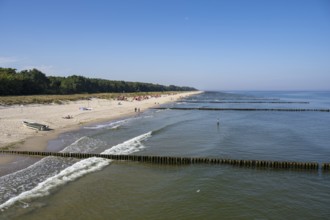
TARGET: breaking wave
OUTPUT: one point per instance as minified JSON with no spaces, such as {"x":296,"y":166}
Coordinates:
{"x":41,"y":178}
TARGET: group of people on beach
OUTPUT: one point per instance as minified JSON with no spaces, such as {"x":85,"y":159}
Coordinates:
{"x":137,"y":98}
{"x":68,"y":117}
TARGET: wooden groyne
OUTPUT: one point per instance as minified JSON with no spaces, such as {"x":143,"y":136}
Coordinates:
{"x":326,"y":166}
{"x":245,"y":102}
{"x":167,"y":160}
{"x":249,"y":109}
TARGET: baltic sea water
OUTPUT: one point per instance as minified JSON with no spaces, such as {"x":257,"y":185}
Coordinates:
{"x":95,"y":188}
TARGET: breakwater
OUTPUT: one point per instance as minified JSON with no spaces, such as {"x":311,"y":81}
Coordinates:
{"x":248,"y":109}
{"x":246,"y":102}
{"x":167,"y":160}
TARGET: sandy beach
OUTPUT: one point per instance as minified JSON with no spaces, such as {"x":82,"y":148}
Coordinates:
{"x":16,"y":136}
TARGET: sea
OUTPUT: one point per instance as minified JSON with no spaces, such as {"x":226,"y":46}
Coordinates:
{"x":96,"y":188}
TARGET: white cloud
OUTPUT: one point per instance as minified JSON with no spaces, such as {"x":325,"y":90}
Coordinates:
{"x":7,"y":60}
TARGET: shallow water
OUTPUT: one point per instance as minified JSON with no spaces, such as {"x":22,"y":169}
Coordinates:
{"x":101,"y":189}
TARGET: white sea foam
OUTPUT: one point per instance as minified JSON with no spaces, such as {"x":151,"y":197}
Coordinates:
{"x":148,"y":116}
{"x":69,"y":174}
{"x":111,"y":125}
{"x":72,"y":172}
{"x":115,"y":127}
{"x":25,"y":179}
{"x":129,"y":146}
{"x":83,"y":145}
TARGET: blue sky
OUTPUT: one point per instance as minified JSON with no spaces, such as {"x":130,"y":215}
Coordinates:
{"x":207,"y":44}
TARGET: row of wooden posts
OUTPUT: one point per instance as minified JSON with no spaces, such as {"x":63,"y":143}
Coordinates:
{"x":249,"y":109}
{"x":245,"y":102}
{"x":184,"y":160}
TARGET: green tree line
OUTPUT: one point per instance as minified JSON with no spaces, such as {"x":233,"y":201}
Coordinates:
{"x":34,"y":82}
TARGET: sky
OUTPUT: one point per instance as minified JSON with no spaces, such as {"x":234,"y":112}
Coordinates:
{"x":206,"y":44}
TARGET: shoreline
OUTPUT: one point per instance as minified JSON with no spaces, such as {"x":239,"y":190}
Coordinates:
{"x":52,"y":115}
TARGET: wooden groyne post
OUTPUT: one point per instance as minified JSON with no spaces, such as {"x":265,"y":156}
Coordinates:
{"x":249,"y":109}
{"x":244,"y":102}
{"x":167,"y":160}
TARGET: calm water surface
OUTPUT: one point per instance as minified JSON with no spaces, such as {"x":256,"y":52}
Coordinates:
{"x":96,"y":188}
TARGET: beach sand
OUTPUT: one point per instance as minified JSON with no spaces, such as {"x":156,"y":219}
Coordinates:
{"x":13,"y":135}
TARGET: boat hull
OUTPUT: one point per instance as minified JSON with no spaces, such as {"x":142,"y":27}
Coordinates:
{"x":35,"y":126}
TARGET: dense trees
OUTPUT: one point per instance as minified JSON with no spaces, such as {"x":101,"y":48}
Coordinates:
{"x":33,"y":82}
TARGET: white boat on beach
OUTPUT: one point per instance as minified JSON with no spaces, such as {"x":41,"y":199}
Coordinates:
{"x":35,"y":126}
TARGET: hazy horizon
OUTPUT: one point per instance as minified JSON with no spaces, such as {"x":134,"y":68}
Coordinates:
{"x":207,"y":44}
